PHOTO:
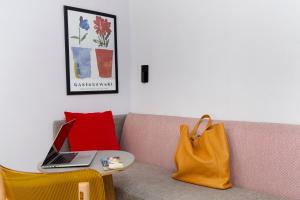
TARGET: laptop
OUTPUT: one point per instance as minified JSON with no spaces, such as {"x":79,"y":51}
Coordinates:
{"x":57,"y":159}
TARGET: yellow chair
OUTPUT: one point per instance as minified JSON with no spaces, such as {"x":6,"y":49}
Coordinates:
{"x":82,"y":185}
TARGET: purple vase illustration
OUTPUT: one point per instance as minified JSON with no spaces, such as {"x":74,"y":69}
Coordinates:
{"x":82,"y":62}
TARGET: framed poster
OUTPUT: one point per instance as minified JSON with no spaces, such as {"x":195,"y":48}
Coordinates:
{"x":91,"y":52}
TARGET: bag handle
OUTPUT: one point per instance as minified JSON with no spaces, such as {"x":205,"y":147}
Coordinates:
{"x":209,"y":123}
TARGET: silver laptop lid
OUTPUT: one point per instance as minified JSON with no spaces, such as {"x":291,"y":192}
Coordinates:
{"x":59,"y":141}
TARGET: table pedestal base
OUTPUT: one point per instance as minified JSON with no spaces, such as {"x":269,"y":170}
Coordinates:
{"x":109,"y":187}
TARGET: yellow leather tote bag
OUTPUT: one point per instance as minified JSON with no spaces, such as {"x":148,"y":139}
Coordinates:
{"x":204,"y":159}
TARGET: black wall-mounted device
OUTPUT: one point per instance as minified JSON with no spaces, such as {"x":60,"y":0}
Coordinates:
{"x":145,"y":73}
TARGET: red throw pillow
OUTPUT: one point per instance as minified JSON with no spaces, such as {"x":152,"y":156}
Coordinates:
{"x":92,"y":131}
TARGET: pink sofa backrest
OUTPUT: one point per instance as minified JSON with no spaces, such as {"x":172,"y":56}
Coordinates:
{"x":265,"y":157}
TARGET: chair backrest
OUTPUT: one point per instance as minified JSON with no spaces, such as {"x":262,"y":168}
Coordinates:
{"x":28,"y":185}
{"x":118,"y":120}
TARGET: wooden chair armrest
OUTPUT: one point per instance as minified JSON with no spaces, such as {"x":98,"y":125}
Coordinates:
{"x":83,"y":191}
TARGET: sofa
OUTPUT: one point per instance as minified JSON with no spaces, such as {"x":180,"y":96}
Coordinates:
{"x":265,"y":160}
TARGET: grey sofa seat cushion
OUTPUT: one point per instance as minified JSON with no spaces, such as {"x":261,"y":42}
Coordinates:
{"x":147,"y":182}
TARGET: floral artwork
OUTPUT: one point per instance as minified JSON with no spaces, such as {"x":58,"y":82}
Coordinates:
{"x":91,"y":52}
{"x":83,"y":24}
{"x":102,"y":28}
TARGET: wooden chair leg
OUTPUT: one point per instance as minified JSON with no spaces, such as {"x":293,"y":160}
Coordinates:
{"x":83,"y":191}
{"x":2,"y":190}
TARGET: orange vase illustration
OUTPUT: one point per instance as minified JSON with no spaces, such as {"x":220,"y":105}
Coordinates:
{"x":104,"y":62}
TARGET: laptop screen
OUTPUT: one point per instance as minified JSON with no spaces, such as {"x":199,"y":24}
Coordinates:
{"x":59,"y":141}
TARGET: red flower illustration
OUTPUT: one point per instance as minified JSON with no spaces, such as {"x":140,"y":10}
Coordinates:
{"x":102,"y":28}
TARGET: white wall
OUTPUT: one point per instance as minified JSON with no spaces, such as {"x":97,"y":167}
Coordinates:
{"x":32,"y":83}
{"x":234,"y":59}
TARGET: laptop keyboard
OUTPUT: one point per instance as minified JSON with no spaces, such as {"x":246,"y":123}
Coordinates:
{"x":64,"y":158}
